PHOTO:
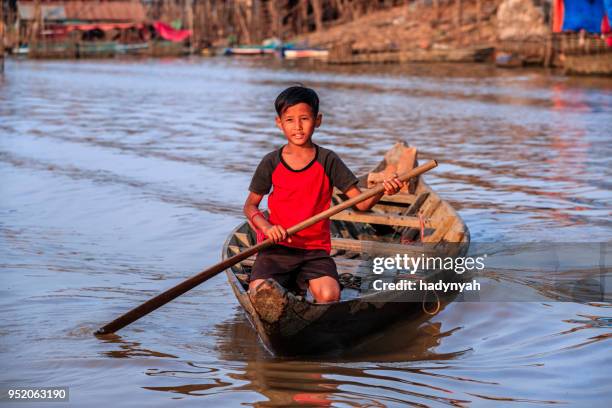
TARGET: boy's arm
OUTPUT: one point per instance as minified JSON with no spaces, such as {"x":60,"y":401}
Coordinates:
{"x":344,"y":179}
{"x":251,"y":209}
{"x":392,"y":186}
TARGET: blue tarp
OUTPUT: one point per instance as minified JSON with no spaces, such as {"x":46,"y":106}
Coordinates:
{"x":584,"y":14}
{"x":608,"y":9}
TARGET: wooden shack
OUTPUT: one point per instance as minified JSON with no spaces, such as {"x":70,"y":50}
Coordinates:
{"x":80,"y":28}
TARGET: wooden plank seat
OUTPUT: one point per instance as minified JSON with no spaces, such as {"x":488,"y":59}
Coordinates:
{"x":380,"y":219}
{"x":380,"y":248}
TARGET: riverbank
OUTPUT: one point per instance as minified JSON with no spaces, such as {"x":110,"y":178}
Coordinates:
{"x":415,"y":26}
{"x":508,"y":33}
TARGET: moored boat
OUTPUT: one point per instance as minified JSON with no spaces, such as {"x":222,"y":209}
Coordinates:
{"x":415,"y":222}
{"x":250,"y":50}
{"x":305,"y":53}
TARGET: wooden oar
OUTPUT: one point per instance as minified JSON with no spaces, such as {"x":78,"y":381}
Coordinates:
{"x":172,"y":293}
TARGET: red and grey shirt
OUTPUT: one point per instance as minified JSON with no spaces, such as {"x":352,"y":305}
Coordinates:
{"x":299,"y":194}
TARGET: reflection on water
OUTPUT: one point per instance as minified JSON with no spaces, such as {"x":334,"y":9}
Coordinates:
{"x":128,"y":349}
{"x":121,"y":178}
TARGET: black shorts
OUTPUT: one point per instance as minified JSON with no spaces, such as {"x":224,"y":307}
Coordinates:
{"x":293,"y":267}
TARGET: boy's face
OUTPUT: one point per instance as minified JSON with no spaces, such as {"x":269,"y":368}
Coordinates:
{"x":298,"y":124}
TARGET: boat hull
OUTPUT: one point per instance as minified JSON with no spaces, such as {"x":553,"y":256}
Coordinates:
{"x":289,"y":324}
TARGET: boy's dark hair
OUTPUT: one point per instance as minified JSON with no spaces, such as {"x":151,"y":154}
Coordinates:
{"x":294,"y":95}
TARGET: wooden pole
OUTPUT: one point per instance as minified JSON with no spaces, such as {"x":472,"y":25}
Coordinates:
{"x":549,"y":50}
{"x":436,"y":4}
{"x":189,"y":23}
{"x":459,"y":12}
{"x":2,"y":38}
{"x":255,"y":22}
{"x":34,"y":29}
{"x":279,"y":21}
{"x":242,"y":21}
{"x":176,"y":291}
{"x":303,"y":17}
{"x":207,"y":22}
{"x":317,"y":10}
{"x":276,"y":18}
{"x":196,"y":33}
{"x":479,"y":17}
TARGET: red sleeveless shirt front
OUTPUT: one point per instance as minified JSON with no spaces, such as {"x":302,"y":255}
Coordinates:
{"x":300,"y":194}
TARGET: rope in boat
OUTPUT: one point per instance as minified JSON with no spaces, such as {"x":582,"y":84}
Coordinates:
{"x":437,"y":304}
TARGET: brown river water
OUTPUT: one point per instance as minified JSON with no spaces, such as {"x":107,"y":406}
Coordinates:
{"x":121,"y":178}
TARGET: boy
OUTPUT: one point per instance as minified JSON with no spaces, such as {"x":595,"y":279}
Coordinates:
{"x":303,"y":176}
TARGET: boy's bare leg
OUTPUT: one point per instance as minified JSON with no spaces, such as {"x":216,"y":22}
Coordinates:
{"x":324,"y":289}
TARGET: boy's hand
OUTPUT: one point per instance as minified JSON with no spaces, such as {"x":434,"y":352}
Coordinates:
{"x":277,"y":233}
{"x":393,"y":185}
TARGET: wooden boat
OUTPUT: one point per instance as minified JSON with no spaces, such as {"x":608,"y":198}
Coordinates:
{"x":305,"y":53}
{"x":249,"y":50}
{"x":413,"y":222}
{"x":508,"y":60}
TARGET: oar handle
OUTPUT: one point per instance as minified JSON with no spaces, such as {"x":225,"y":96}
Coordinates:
{"x":174,"y":292}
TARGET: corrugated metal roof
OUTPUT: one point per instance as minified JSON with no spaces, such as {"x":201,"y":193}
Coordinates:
{"x":132,"y":11}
